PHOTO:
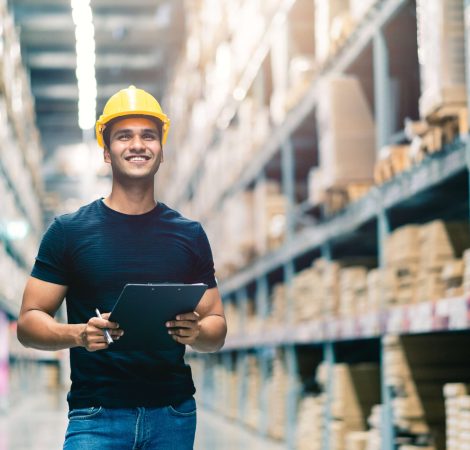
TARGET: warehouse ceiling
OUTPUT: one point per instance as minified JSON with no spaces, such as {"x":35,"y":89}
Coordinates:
{"x":137,"y":42}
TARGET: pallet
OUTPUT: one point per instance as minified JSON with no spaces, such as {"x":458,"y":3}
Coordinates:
{"x":392,"y":161}
{"x":337,"y":198}
{"x":457,"y":115}
{"x":440,"y":128}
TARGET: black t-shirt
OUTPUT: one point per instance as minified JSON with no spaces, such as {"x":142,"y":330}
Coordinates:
{"x":95,"y":252}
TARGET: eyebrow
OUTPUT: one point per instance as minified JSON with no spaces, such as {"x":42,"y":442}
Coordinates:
{"x":131,"y":130}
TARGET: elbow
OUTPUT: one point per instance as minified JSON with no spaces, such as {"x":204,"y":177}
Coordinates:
{"x":220,"y":346}
{"x":21,"y":334}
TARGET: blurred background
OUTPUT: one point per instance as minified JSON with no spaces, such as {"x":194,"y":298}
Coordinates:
{"x":324,"y":146}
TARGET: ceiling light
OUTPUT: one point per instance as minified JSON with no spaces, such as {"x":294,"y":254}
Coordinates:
{"x":85,"y":72}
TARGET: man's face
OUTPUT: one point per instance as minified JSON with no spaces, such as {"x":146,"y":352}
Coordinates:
{"x":134,"y":148}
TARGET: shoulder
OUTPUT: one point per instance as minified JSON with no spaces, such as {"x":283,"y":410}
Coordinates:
{"x":79,"y":217}
{"x":177,"y":219}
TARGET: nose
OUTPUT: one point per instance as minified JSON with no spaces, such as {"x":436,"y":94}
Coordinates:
{"x":137,"y":143}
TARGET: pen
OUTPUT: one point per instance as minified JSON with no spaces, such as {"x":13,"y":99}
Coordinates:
{"x":108,"y":337}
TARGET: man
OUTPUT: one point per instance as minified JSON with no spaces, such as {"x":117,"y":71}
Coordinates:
{"x":123,"y":399}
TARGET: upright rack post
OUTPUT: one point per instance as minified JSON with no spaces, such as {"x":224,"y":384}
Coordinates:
{"x":383,"y":113}
{"x":291,"y":362}
{"x":288,"y":184}
{"x":292,"y":396}
{"x":262,"y":293}
{"x":329,"y":360}
{"x":288,"y":188}
{"x":241,"y":298}
{"x":242,"y":374}
{"x":383,"y":117}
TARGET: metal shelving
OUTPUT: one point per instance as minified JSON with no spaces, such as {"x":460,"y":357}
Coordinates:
{"x":228,"y":108}
{"x":21,"y":186}
{"x":357,"y":42}
{"x":430,"y":173}
{"x":410,"y":188}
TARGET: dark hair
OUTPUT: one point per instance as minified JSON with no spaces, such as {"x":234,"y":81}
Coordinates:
{"x":109,"y":125}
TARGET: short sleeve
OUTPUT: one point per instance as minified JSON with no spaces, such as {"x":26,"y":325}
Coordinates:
{"x":50,"y":262}
{"x":204,"y":271}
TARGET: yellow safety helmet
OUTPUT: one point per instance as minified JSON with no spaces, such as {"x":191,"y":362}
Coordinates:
{"x":130,"y":102}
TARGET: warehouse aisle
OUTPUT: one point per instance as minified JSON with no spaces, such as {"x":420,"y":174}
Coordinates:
{"x":39,"y":422}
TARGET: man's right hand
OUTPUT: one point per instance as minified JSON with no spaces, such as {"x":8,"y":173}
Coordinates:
{"x":92,"y":335}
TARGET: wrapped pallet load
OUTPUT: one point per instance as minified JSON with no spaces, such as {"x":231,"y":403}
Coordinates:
{"x":360,"y":8}
{"x":441,"y":52}
{"x":270,"y":216}
{"x":346,"y":133}
{"x":329,"y":16}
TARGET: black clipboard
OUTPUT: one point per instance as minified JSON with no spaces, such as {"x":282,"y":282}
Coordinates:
{"x":143,"y":309}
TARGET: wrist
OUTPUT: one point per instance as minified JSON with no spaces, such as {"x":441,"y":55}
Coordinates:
{"x":79,"y":334}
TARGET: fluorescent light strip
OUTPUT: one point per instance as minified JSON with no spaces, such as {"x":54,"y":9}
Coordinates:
{"x":85,"y":48}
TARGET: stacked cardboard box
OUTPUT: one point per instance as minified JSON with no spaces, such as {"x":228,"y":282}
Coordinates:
{"x":278,"y":306}
{"x":408,"y":412}
{"x":238,"y":242}
{"x":441,"y":37}
{"x":356,"y":440}
{"x":270,"y":215}
{"x":402,"y":256}
{"x":277,"y":399}
{"x":309,"y":431}
{"x":229,"y":397}
{"x":381,"y":288}
{"x":457,"y":403}
{"x":329,"y":288}
{"x":452,"y":277}
{"x":345,"y":407}
{"x":392,"y":160}
{"x":356,"y":390}
{"x":307,"y":295}
{"x":346,"y":133}
{"x":252,"y":412}
{"x":440,"y":242}
{"x":375,"y":428}
{"x":353,"y":291}
{"x":233,"y":317}
{"x":253,"y":321}
{"x":419,"y":254}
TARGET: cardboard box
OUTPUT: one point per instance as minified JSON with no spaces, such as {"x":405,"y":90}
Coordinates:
{"x":441,"y":36}
{"x":346,"y":133}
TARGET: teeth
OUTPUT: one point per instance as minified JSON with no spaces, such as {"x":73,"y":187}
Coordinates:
{"x":137,"y":158}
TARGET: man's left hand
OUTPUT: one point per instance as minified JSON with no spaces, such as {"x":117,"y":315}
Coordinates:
{"x":185,"y":329}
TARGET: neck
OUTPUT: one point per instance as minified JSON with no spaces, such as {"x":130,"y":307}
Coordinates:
{"x":131,"y":200}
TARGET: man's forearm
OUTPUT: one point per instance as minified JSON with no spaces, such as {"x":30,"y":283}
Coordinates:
{"x":39,"y":330}
{"x":212,"y":334}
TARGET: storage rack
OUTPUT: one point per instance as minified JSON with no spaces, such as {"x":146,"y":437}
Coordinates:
{"x":410,"y":197}
{"x":21,"y":217}
{"x":19,"y":169}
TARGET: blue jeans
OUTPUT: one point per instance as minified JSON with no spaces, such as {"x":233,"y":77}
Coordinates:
{"x":166,"y":428}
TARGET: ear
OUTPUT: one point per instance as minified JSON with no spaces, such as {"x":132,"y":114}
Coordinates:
{"x":106,"y":155}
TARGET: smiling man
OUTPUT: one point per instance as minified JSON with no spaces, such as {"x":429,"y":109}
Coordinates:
{"x":124,"y":399}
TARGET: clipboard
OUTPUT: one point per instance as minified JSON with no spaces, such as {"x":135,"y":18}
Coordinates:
{"x":143,"y":309}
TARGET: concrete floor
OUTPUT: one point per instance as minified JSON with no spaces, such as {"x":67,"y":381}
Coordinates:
{"x":37,"y":422}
